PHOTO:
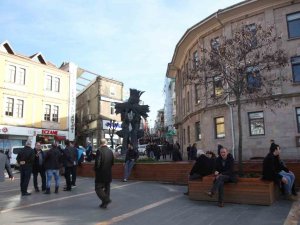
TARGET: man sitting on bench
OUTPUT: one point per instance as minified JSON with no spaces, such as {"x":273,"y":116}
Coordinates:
{"x":224,"y":173}
{"x":204,"y":165}
{"x":275,"y":170}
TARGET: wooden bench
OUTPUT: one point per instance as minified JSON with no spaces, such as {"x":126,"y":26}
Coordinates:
{"x":245,"y":191}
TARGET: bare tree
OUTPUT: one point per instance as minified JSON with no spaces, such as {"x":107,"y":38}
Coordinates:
{"x":244,"y":68}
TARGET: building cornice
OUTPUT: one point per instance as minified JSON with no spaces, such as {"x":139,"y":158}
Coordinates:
{"x":216,"y":21}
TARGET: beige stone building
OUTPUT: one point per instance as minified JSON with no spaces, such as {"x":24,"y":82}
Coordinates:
{"x":35,"y":99}
{"x":95,"y":109}
{"x":208,"y":126}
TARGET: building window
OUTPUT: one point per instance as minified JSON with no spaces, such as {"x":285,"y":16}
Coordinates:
{"x":298,"y":118}
{"x":188,"y":102}
{"x":197,"y":93}
{"x":48,"y":83}
{"x":215,"y":43}
{"x":184,"y":141}
{"x":198,"y":131}
{"x":9,"y":107}
{"x":112,"y":108}
{"x":252,"y":29}
{"x":55,"y":113}
{"x":183,"y":108}
{"x":188,"y":135}
{"x":253,"y":79}
{"x":256,"y":123}
{"x":20,"y":79}
{"x":219,"y":127}
{"x":187,"y":69}
{"x":11,"y":74}
{"x":218,"y":86}
{"x":195,"y":59}
{"x":296,"y":68}
{"x":19,"y":108}
{"x":112,"y":91}
{"x":47,"y":113}
{"x":56,"y":84}
{"x":293,"y":21}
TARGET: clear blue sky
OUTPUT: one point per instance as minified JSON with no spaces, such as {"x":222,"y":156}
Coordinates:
{"x":129,"y":40}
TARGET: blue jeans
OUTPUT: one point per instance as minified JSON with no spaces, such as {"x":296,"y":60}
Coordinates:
{"x":291,"y":178}
{"x":49,"y":177}
{"x":128,"y":167}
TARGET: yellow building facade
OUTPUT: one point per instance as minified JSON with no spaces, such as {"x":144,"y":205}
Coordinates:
{"x":34,"y":98}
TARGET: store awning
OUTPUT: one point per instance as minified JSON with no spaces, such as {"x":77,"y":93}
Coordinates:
{"x":59,"y":138}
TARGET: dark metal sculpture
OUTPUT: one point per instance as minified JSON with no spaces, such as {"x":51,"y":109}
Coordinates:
{"x":131,"y":113}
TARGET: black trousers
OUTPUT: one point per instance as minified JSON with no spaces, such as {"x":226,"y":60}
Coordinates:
{"x":68,"y":171}
{"x":103,"y":191}
{"x":25,"y":174}
{"x":219,"y":186}
{"x":74,"y":174}
{"x":42,"y":173}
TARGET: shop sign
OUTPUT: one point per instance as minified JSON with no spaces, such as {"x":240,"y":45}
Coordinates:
{"x":110,"y":124}
{"x":3,"y":130}
{"x":50,"y":132}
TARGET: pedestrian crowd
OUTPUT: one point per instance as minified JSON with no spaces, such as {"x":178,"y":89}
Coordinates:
{"x":47,"y":164}
{"x":58,"y":161}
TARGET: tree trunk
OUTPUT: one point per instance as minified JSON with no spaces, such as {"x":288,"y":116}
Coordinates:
{"x":240,"y":133}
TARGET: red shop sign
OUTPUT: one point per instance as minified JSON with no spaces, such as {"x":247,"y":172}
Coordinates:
{"x":52,"y":132}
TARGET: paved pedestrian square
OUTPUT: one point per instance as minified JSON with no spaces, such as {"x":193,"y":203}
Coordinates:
{"x":133,"y":202}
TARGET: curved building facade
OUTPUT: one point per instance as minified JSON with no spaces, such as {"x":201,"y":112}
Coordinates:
{"x":208,"y":126}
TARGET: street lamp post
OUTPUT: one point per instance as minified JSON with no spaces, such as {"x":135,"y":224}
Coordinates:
{"x":111,"y":131}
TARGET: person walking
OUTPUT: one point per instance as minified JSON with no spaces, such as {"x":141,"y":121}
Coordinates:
{"x":103,"y":173}
{"x":224,"y":173}
{"x":38,"y":167}
{"x":193,"y":152}
{"x":130,"y":159}
{"x":25,"y":159}
{"x":4,"y":164}
{"x":188,"y":151}
{"x":69,"y":159}
{"x":75,"y":164}
{"x":52,"y":164}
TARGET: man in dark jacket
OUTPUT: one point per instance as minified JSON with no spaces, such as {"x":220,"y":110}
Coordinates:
{"x":69,"y":162}
{"x":38,"y":167}
{"x":204,"y":165}
{"x":25,"y":159}
{"x":103,"y":177}
{"x":52,"y":164}
{"x":275,"y":170}
{"x":224,"y":173}
{"x":130,"y":159}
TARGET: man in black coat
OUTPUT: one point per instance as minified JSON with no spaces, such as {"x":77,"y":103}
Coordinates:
{"x":25,"y":159}
{"x":275,"y":170}
{"x":69,"y":161}
{"x":204,"y":165}
{"x":224,"y":173}
{"x":103,"y":169}
{"x":38,"y":167}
